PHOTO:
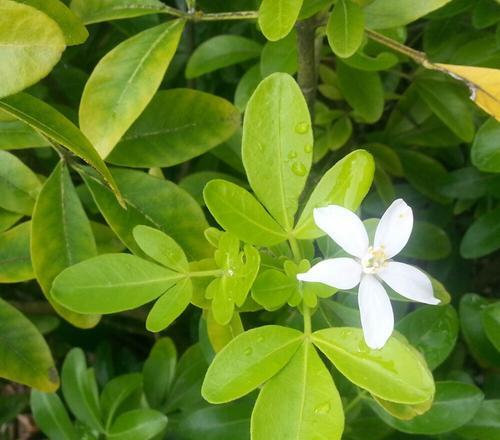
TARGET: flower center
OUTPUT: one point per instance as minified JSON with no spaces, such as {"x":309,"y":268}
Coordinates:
{"x":374,"y":260}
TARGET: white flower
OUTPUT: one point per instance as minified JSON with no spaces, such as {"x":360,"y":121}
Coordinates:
{"x":371,"y":265}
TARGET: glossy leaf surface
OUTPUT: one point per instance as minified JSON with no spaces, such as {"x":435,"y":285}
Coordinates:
{"x":312,"y":407}
{"x":124,"y":82}
{"x":249,"y":360}
{"x":176,"y":126}
{"x":277,"y":145}
{"x":26,"y":57}
{"x":396,"y":372}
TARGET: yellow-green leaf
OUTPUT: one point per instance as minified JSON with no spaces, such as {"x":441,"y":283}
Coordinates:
{"x":31,"y":44}
{"x":123,"y":83}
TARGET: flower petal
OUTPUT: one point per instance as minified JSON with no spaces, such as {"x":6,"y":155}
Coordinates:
{"x":375,"y":308}
{"x":394,"y":228}
{"x":341,"y":273}
{"x":344,"y":227}
{"x":409,"y":282}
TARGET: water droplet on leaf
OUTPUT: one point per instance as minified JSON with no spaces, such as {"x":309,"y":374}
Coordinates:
{"x":323,"y":408}
{"x":299,"y":169}
{"x":308,"y":148}
{"x":292,"y":155}
{"x":248,"y":351}
{"x":302,"y":127}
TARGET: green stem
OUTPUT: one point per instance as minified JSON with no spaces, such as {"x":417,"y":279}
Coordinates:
{"x":307,"y":320}
{"x":306,"y":75}
{"x":224,"y":16}
{"x":294,"y":246}
{"x":206,"y":273}
{"x":415,"y":55}
{"x":193,"y":15}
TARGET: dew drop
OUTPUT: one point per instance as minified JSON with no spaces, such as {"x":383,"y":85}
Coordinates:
{"x":248,"y":351}
{"x":308,"y":148}
{"x":260,"y":146}
{"x":292,"y":155}
{"x":302,"y":128}
{"x":299,"y":169}
{"x":260,"y":339}
{"x":323,"y":408}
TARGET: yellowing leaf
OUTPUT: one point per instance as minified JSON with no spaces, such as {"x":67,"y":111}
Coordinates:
{"x":483,"y":82}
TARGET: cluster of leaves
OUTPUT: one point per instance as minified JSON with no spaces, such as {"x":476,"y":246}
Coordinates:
{"x":127,"y":177}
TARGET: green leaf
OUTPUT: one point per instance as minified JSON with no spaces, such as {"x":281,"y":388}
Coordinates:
{"x":60,"y":237}
{"x":124,"y":82}
{"x":383,"y":61}
{"x":279,"y":56}
{"x":52,"y":124}
{"x":195,"y":183}
{"x":220,"y":335}
{"x":467,"y":183}
{"x":484,"y":153}
{"x":454,"y":405}
{"x":237,"y":211}
{"x":485,"y":425}
{"x":239,"y":270}
{"x":277,"y":17}
{"x":384,"y":14}
{"x":245,"y":88}
{"x":480,"y":347}
{"x":482,"y":236}
{"x":24,"y":354}
{"x":396,"y":372}
{"x":161,"y":248}
{"x":424,"y":173}
{"x":345,"y":28}
{"x":51,"y":416}
{"x":277,"y":145}
{"x":200,"y":122}
{"x":485,"y":14}
{"x":139,"y":423}
{"x":15,"y":259}
{"x":169,"y":209}
{"x":449,"y":104}
{"x":400,"y":411}
{"x":273,"y":288}
{"x":169,"y":306}
{"x":16,"y":135}
{"x":362,"y":90}
{"x":345,"y":184}
{"x":8,"y":219}
{"x":111,"y":283}
{"x":96,"y":11}
{"x":71,"y":26}
{"x":106,"y":240}
{"x":219,"y":52}
{"x":221,"y":422}
{"x":300,"y":402}
{"x":26,"y":57}
{"x":490,"y":317}
{"x":249,"y":360}
{"x":80,"y":389}
{"x":19,"y":185}
{"x":433,"y":331}
{"x":427,"y":242}
{"x":185,"y":390}
{"x":158,"y":372}
{"x":119,"y":394}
